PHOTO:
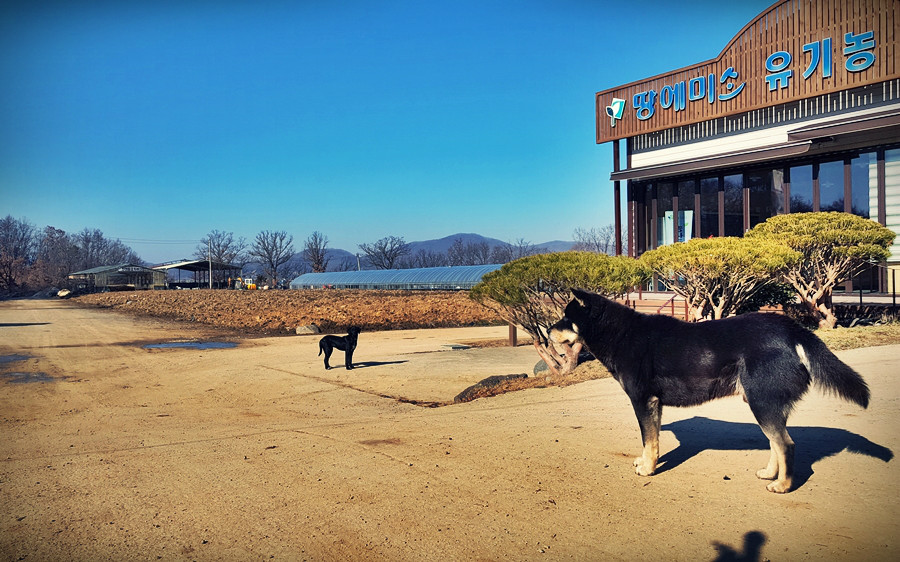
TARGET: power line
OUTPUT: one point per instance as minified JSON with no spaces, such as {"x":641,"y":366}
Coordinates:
{"x":150,"y":241}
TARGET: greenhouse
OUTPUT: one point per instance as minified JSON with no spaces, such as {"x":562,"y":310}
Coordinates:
{"x":455,"y":278}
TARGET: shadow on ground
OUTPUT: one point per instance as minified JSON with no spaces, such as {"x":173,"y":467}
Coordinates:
{"x":813,"y":444}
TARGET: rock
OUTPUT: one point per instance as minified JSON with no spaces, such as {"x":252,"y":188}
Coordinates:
{"x":466,"y":395}
{"x":306,"y":330}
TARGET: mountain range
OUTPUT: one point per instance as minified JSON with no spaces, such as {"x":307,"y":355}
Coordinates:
{"x":339,"y":257}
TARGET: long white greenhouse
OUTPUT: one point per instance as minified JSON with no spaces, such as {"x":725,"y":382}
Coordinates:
{"x":455,"y":278}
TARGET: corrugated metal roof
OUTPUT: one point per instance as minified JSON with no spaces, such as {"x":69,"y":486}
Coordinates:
{"x":443,"y":278}
{"x":103,"y":268}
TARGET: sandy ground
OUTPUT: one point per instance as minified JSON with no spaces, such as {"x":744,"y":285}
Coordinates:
{"x":109,"y":450}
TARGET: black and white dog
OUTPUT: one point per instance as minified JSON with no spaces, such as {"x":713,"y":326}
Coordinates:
{"x":345,"y":343}
{"x":660,"y":361}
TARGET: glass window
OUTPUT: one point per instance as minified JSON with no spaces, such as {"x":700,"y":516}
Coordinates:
{"x":685,"y":210}
{"x":709,"y":207}
{"x":664,"y":219}
{"x":764,"y":199}
{"x":801,"y":189}
{"x":734,"y":205}
{"x":864,"y":183}
{"x":831,"y":186}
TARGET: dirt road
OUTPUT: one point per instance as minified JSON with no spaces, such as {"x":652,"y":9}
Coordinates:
{"x":109,"y":450}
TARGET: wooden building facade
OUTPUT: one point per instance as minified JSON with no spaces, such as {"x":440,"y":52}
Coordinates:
{"x":799,"y":112}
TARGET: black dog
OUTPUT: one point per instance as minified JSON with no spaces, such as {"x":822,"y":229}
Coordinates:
{"x":345,"y":343}
{"x":661,"y":361}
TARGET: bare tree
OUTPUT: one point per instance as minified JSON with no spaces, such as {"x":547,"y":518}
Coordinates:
{"x":510,"y":251}
{"x":17,"y":248}
{"x":222,"y":247}
{"x":272,"y":250}
{"x":56,"y":259}
{"x":94,"y":249}
{"x":425,"y":258}
{"x":471,"y":253}
{"x":315,"y":252}
{"x":385,"y":253}
{"x":600,"y":240}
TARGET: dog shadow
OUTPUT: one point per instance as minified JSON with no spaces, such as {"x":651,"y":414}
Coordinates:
{"x":363,"y":364}
{"x":813,"y":444}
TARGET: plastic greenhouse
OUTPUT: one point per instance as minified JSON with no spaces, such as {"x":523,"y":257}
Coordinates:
{"x":461,"y":277}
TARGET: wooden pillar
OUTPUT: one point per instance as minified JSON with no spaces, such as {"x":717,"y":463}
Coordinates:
{"x":817,"y":200}
{"x":721,"y":193}
{"x":617,"y":196}
{"x":848,"y":186}
{"x":696,"y":207}
{"x":787,"y":190}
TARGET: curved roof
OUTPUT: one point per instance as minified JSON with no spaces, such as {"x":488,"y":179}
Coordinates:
{"x":443,"y":278}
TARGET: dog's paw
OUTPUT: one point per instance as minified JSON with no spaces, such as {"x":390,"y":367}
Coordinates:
{"x":641,"y":468}
{"x":766,"y":474}
{"x":779,"y":486}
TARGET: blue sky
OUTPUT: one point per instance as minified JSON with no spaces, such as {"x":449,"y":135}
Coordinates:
{"x":158,"y":122}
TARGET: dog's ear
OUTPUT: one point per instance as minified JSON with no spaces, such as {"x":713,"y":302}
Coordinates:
{"x":581,"y":297}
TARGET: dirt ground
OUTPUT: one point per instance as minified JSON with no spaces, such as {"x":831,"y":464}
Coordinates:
{"x":111,"y":450}
{"x":281,"y":312}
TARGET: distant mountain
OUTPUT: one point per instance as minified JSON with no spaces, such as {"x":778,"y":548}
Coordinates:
{"x":441,"y":245}
{"x":342,"y":260}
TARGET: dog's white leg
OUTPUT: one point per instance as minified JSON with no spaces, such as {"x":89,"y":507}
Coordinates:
{"x":770,"y":472}
{"x":781,"y":460}
{"x":649,"y":415}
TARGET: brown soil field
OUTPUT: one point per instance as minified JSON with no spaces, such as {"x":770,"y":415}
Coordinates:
{"x":281,"y":312}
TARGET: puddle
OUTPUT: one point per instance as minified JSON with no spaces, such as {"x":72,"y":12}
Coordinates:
{"x":200,"y":345}
{"x":19,"y":378}
{"x":12,"y":358}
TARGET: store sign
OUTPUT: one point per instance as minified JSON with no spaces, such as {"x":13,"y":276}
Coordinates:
{"x":858,"y":54}
{"x":740,"y":79}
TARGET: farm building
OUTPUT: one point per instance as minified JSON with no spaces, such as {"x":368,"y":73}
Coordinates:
{"x":461,"y":277}
{"x":120,"y":277}
{"x":201,"y":272}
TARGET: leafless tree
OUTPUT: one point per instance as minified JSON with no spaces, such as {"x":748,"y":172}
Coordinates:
{"x":425,"y":258}
{"x":471,"y":253}
{"x":272,"y":250}
{"x":510,"y":251}
{"x":222,"y":247}
{"x":315,"y":252}
{"x":17,"y":248}
{"x":94,"y":249}
{"x":56,"y":258}
{"x":600,"y":240}
{"x":385,"y":253}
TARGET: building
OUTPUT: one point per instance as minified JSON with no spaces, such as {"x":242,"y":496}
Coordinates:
{"x":460,"y":277}
{"x":120,"y":277}
{"x":799,"y":112}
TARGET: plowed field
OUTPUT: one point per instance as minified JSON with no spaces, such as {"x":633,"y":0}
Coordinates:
{"x":273,"y":312}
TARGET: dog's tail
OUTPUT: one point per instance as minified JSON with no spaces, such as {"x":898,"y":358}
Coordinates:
{"x":320,"y":349}
{"x":830,"y":373}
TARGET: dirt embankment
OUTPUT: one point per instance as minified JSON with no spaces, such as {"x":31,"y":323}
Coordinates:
{"x":273,"y":312}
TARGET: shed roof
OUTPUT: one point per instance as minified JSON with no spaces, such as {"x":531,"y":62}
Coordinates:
{"x":104,"y":268}
{"x":196,"y":265}
{"x":452,"y":278}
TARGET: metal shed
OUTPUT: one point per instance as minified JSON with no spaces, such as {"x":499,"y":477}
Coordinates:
{"x":119,"y":277}
{"x":461,"y":277}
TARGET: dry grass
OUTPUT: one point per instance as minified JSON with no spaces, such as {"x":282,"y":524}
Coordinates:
{"x":862,"y":336}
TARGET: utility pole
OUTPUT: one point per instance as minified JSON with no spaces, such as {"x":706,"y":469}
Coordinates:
{"x":209,"y":259}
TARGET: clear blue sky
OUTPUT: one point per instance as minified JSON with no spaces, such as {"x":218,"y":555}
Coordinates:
{"x":163,"y":120}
